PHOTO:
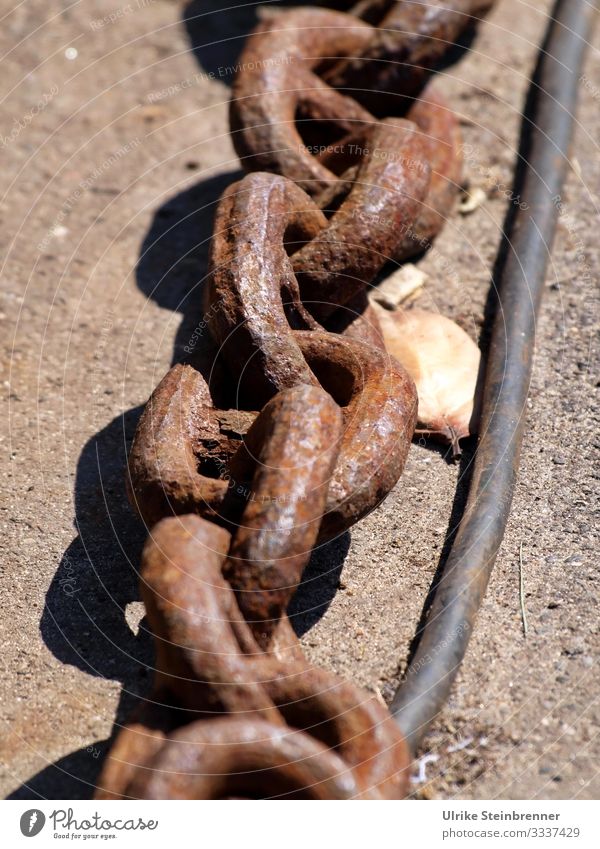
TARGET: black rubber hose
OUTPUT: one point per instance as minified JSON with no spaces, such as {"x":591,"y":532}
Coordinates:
{"x":465,"y":576}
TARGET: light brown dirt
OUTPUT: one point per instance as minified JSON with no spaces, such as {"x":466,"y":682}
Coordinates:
{"x":131,"y":136}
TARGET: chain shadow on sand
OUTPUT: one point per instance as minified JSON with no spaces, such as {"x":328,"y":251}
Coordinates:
{"x":85,"y":621}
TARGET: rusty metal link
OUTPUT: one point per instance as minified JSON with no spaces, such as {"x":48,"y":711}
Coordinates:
{"x":252,"y":296}
{"x":384,"y":200}
{"x":228,"y":718}
{"x":439,"y":141}
{"x":253,"y":300}
{"x":279,"y":89}
{"x":184,"y":449}
{"x":286,"y":119}
{"x":379,"y":402}
{"x":264,"y":217}
{"x":237,"y":486}
{"x":293,"y":447}
{"x":181,"y":447}
{"x":409,"y":41}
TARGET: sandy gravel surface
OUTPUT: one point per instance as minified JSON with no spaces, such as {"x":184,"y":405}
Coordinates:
{"x":115,"y":150}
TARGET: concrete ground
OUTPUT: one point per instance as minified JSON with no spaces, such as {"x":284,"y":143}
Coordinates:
{"x":113,"y":132}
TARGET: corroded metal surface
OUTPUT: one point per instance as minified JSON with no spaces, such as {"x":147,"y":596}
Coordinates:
{"x":248,"y":708}
{"x":252,"y":295}
{"x":287,"y":120}
{"x":409,"y":41}
{"x":181,"y":433}
{"x":278,"y":92}
{"x":384,"y":201}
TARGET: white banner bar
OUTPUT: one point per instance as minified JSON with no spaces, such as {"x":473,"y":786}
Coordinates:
{"x":253,"y":825}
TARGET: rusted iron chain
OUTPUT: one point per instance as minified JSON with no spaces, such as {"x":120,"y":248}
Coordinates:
{"x":303,"y":425}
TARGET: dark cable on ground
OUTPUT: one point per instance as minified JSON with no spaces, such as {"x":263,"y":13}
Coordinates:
{"x":458,"y":596}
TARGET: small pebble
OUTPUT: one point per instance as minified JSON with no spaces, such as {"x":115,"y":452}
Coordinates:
{"x":574,"y":560}
{"x":574,"y":648}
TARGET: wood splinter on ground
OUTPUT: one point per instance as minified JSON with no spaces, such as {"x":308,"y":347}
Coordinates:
{"x":402,"y":285}
{"x":472,"y":200}
{"x":522,"y":591}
